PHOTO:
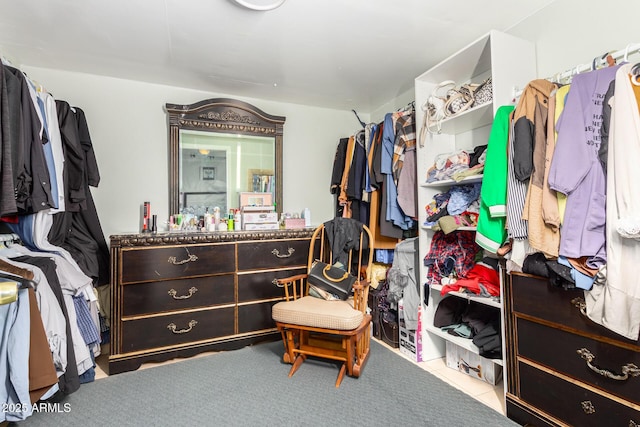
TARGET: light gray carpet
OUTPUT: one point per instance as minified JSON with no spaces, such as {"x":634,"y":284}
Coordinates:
{"x":250,"y":387}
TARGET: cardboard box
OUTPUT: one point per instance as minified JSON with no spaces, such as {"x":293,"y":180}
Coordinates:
{"x":472,"y":364}
{"x":410,"y":340}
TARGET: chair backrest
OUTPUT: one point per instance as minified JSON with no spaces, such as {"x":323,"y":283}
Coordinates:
{"x":346,"y":241}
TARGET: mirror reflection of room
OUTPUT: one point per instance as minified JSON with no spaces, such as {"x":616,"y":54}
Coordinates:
{"x":216,"y":167}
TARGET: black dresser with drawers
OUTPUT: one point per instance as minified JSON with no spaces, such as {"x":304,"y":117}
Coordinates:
{"x":180,"y":294}
{"x":563,"y":368}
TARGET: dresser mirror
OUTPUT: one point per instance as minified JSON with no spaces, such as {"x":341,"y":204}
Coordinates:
{"x":220,"y":149}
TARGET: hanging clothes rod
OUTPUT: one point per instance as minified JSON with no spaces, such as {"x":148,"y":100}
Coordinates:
{"x":363,"y":124}
{"x":596,"y":63}
{"x":408,"y":107}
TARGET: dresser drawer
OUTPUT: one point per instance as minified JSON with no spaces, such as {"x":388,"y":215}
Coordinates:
{"x":175,"y":329}
{"x":257,"y":286}
{"x":159,"y":263}
{"x":168,"y":295}
{"x":558,"y":350}
{"x":534,"y":296}
{"x":571,"y":403}
{"x":272,"y":254}
{"x":255,"y":317}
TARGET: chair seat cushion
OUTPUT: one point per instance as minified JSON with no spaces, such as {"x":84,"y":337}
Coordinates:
{"x":318,"y":313}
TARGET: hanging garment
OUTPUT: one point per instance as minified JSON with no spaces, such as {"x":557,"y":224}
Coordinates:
{"x":576,"y":170}
{"x":403,"y":282}
{"x":561,"y":98}
{"x":9,"y":121}
{"x":51,"y":313}
{"x":491,"y":232}
{"x":526,"y":131}
{"x":32,"y":183}
{"x":407,"y":184}
{"x":74,"y":158}
{"x":615,"y":303}
{"x":393,"y":212}
{"x":14,"y":359}
{"x":516,"y":196}
{"x":405,"y":131}
{"x":380,"y":157}
{"x":63,"y":349}
{"x":42,"y":373}
{"x":55,"y":141}
{"x":542,"y":236}
{"x":530,"y":109}
{"x":604,"y":130}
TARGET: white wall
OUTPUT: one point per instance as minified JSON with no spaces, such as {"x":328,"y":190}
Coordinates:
{"x":572,"y":32}
{"x":129,"y":134}
{"x":399,"y":101}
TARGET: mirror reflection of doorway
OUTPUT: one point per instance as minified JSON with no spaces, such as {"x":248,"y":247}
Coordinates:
{"x":203,"y":181}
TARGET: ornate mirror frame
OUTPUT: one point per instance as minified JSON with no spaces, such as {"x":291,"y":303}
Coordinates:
{"x":221,"y":115}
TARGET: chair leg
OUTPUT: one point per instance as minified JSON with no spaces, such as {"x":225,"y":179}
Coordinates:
{"x":296,"y":364}
{"x":341,"y":374}
{"x":289,"y":338}
{"x":349,"y":343}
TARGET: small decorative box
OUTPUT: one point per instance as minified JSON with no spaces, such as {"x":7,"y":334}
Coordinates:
{"x":291,"y":223}
{"x":259,"y":217}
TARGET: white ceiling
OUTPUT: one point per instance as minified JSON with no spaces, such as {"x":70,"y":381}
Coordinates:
{"x":339,"y":54}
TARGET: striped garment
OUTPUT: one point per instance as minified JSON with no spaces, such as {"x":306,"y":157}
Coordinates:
{"x":516,"y":196}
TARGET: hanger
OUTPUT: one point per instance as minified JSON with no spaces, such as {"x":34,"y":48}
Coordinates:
{"x":22,"y":282}
{"x":606,"y":58}
{"x":9,"y":288}
{"x":5,"y":61}
{"x":363,"y":124}
{"x":625,"y":58}
{"x":409,"y":107}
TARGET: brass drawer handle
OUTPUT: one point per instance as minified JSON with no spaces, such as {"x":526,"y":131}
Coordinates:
{"x":580,"y":304}
{"x":192,"y":258}
{"x":173,"y":293}
{"x":277,"y":253}
{"x":172,"y":327}
{"x":627,"y":370}
{"x":280,"y":285}
{"x":588,"y":407}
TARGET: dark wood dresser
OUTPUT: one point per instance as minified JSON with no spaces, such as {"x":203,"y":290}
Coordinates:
{"x":179,"y":294}
{"x":564,"y":369}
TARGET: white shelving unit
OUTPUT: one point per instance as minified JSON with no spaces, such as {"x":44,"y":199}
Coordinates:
{"x":510,"y":62}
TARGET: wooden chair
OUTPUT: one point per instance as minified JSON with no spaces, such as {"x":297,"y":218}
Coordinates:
{"x":338,"y":330}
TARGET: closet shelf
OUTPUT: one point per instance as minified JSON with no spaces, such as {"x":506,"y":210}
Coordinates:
{"x":476,"y":298}
{"x":450,"y":182}
{"x":473,"y":118}
{"x":465,"y":343}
